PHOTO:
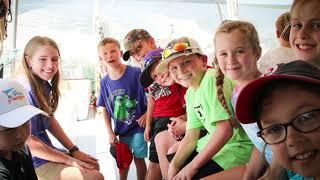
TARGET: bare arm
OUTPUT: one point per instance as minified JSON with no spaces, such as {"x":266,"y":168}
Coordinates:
{"x":43,"y":151}
{"x":57,"y":131}
{"x":185,"y":149}
{"x":218,"y":139}
{"x":149,"y":118}
{"x":107,"y":120}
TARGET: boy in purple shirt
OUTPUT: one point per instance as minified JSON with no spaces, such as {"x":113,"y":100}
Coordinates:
{"x":122,"y":98}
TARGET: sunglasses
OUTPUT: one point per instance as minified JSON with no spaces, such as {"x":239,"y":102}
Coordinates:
{"x":176,"y":48}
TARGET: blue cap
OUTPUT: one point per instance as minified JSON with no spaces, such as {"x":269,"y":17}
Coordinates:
{"x":148,"y":60}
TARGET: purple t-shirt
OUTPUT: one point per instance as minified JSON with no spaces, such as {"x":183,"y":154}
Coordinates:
{"x":125,"y":101}
{"x":39,"y":123}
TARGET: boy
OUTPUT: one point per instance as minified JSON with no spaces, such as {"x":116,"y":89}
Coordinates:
{"x":285,"y":103}
{"x":224,"y":146}
{"x":15,"y":112}
{"x":166,"y":100}
{"x":137,"y":43}
{"x":123,"y":99}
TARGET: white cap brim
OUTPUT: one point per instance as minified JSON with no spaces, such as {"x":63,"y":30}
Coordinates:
{"x":19,"y":116}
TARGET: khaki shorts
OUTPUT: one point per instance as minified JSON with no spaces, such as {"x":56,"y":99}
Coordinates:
{"x":50,"y":170}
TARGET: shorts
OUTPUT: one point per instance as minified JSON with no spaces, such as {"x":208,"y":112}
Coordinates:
{"x":209,"y":168}
{"x":137,"y":144}
{"x":159,"y":124}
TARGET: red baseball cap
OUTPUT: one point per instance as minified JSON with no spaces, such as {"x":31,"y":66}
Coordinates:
{"x":296,"y":70}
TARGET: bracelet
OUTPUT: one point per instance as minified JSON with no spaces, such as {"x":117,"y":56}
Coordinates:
{"x":73,"y":149}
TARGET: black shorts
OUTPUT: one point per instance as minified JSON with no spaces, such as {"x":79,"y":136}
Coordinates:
{"x":209,"y":168}
{"x":159,"y":124}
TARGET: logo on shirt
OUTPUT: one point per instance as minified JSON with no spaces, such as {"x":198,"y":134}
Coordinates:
{"x":158,"y":91}
{"x":13,"y":95}
{"x":124,"y":109}
{"x":200,"y":113}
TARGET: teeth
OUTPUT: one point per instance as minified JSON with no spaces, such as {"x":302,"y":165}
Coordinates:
{"x":185,"y":77}
{"x":304,"y":47}
{"x":303,"y":156}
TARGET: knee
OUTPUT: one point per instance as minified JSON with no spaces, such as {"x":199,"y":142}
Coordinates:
{"x":173,"y":148}
{"x":96,"y":175}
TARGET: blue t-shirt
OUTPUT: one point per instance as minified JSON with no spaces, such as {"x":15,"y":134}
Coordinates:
{"x":39,"y":123}
{"x":125,"y":101}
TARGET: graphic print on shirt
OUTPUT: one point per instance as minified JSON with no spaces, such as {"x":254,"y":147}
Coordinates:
{"x":200,"y":113}
{"x":124,"y":109}
{"x":158,"y":91}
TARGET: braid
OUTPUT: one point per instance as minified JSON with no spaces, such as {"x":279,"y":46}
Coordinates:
{"x":220,"y":94}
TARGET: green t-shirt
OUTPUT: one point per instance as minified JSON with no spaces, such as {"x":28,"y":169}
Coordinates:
{"x":204,"y":110}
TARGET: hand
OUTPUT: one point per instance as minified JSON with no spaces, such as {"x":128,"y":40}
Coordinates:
{"x":147,"y":133}
{"x":177,"y":127}
{"x":112,"y":139}
{"x":83,"y":166}
{"x":186,"y":173}
{"x":86,"y":158}
{"x":172,"y":171}
{"x":142,"y":120}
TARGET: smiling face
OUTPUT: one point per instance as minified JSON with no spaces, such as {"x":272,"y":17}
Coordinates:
{"x":110,"y":54}
{"x":13,"y":139}
{"x":299,"y":152}
{"x":163,"y":79}
{"x":44,"y":62}
{"x":188,"y":70}
{"x":236,"y":58}
{"x":305,"y":29}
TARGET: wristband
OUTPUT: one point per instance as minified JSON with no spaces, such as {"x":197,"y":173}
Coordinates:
{"x":73,"y":149}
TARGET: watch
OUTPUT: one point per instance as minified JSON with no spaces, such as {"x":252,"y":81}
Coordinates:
{"x":73,"y":149}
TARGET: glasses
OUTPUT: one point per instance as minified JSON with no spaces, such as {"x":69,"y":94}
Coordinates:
{"x":304,"y":123}
{"x":178,"y":47}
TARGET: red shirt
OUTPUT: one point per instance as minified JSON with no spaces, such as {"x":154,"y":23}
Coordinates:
{"x":169,"y":100}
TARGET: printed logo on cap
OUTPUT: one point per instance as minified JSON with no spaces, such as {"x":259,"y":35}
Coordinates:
{"x":13,"y":95}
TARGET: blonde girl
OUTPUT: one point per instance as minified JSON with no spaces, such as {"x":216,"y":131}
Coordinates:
{"x":237,"y":52}
{"x":41,"y":59}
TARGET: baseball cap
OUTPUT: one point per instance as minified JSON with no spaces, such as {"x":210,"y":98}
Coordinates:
{"x":131,"y":38}
{"x":183,"y":46}
{"x":123,"y":155}
{"x":15,"y":108}
{"x":296,"y":70}
{"x":148,"y":60}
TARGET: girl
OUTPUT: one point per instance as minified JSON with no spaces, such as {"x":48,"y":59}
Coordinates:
{"x":237,"y":52}
{"x":223,"y":147}
{"x":40,"y":62}
{"x":305,"y":28}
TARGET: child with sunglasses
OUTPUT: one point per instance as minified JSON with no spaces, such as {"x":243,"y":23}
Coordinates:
{"x":224,"y":146}
{"x":167,"y":100}
{"x":286,"y":106}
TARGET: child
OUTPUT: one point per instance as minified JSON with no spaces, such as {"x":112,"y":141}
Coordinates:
{"x":224,"y":146}
{"x":123,"y":99}
{"x":282,"y":54}
{"x":167,"y":100}
{"x":15,"y":112}
{"x":237,"y":52}
{"x":305,"y":31}
{"x":285,"y":104}
{"x":40,"y":62}
{"x":137,"y":43}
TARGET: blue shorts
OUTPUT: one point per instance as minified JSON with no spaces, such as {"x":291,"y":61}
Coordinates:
{"x":137,"y":144}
